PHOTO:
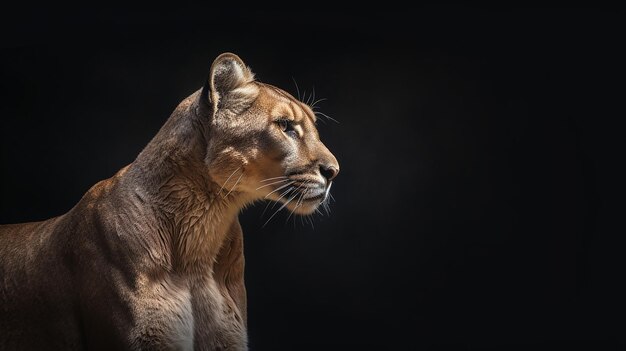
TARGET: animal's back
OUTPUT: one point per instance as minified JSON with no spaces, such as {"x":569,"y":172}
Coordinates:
{"x":24,"y":248}
{"x":36,"y":302}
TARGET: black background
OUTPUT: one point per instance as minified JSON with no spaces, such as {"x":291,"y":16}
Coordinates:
{"x":478,"y":155}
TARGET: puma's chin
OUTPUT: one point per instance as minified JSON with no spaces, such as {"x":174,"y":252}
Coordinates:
{"x":305,"y":207}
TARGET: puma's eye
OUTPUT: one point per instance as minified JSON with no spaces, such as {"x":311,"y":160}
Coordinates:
{"x":286,"y":126}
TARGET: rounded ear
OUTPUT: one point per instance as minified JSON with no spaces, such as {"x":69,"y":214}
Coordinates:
{"x":228,"y":74}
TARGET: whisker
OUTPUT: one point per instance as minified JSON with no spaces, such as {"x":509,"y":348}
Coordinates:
{"x":267,"y":179}
{"x":281,"y":187}
{"x":297,"y":89}
{"x":227,"y":179}
{"x":326,"y":202}
{"x":299,"y":202}
{"x":327,"y":209}
{"x":310,"y":221}
{"x":274,"y":203}
{"x":265,"y":209}
{"x":233,"y":188}
{"x":276,"y":182}
{"x":306,"y":102}
{"x":281,"y":207}
{"x":327,"y":116}
{"x":317,"y":101}
{"x":327,"y":192}
{"x":285,"y":193}
{"x":282,"y":195}
{"x":292,"y":211}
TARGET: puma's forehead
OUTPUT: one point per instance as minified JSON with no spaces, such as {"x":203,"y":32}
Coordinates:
{"x":277,"y":103}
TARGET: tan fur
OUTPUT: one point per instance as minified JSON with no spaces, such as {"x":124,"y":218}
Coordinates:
{"x":152,"y":258}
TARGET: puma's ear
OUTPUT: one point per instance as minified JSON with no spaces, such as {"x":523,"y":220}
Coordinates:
{"x":229,"y":81}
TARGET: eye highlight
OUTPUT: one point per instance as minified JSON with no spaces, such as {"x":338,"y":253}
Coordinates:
{"x":286,"y":126}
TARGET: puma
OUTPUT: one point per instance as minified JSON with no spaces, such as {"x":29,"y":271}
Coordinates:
{"x":152,"y":258}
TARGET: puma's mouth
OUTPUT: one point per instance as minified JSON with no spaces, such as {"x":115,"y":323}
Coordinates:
{"x":305,"y":199}
{"x":319,"y":194}
{"x":299,"y":195}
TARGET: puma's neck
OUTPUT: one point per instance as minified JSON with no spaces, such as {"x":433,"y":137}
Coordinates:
{"x":190,"y":212}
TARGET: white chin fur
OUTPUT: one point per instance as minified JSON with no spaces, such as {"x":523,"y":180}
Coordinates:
{"x":306,"y":208}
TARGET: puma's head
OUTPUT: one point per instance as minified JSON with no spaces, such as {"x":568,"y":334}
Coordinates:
{"x":263,"y":142}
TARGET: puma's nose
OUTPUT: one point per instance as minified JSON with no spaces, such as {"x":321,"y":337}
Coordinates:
{"x":328,"y":172}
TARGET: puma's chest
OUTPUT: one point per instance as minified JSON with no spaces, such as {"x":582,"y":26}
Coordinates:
{"x":176,"y":314}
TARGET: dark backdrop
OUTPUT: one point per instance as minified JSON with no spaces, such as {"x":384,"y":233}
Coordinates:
{"x":477,"y":150}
